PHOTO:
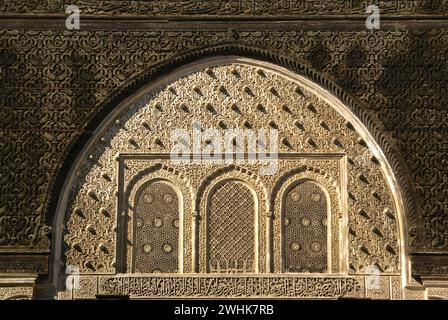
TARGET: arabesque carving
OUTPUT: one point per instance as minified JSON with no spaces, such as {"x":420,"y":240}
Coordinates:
{"x":134,"y":150}
{"x":225,"y":7}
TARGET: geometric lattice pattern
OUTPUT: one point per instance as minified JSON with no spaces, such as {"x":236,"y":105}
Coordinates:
{"x":305,"y":229}
{"x":157,"y":230}
{"x":231,"y":229}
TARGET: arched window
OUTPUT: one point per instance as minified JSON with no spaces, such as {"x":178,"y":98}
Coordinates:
{"x":231,"y":228}
{"x":156,"y":229}
{"x":305,"y":216}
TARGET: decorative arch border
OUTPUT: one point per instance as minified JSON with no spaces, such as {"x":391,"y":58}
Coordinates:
{"x":220,"y":176}
{"x":180,"y":185}
{"x":392,"y":162}
{"x":207,"y":181}
{"x":16,"y":293}
{"x":19,"y":297}
{"x":335,"y":245}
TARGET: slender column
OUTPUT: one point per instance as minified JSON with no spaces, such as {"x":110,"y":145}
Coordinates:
{"x":195,"y":241}
{"x":269,"y":236}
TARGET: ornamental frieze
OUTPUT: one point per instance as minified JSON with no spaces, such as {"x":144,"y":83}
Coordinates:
{"x":218,"y":8}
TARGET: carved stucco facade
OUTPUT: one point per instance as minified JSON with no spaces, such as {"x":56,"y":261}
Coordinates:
{"x":133,"y":147}
{"x":58,"y":87}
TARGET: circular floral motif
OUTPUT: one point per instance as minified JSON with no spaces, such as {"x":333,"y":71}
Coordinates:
{"x":316,"y":246}
{"x":167,"y":248}
{"x":295,"y":246}
{"x":306,"y":222}
{"x":286,"y":222}
{"x":139,"y":222}
{"x":316,"y":197}
{"x":168,"y":198}
{"x":147,"y":248}
{"x":157,"y":222}
{"x":295,"y":196}
{"x":148,"y":198}
{"x":324,"y":222}
{"x":176,"y":223}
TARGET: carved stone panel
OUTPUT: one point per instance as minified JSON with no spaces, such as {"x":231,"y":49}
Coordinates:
{"x":170,"y":287}
{"x":305,"y":229}
{"x":156,"y":236}
{"x":217,"y":8}
{"x":336,"y":209}
{"x":16,"y":293}
{"x":440,"y":293}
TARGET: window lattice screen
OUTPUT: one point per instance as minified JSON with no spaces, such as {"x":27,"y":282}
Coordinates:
{"x":231,"y":229}
{"x":157,"y":229}
{"x":305,"y":229}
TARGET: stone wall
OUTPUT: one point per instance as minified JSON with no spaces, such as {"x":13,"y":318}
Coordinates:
{"x":57,"y":85}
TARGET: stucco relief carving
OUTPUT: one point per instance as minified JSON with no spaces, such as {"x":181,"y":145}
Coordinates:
{"x":384,"y":86}
{"x":308,"y":125}
{"x":331,"y":182}
{"x":231,"y":235}
{"x":305,"y":235}
{"x":16,"y":293}
{"x":157,"y":214}
{"x":414,"y":294}
{"x":225,"y":8}
{"x":200,"y":183}
{"x":234,"y":286}
{"x":137,"y":174}
{"x":396,"y":289}
{"x":440,"y":293}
